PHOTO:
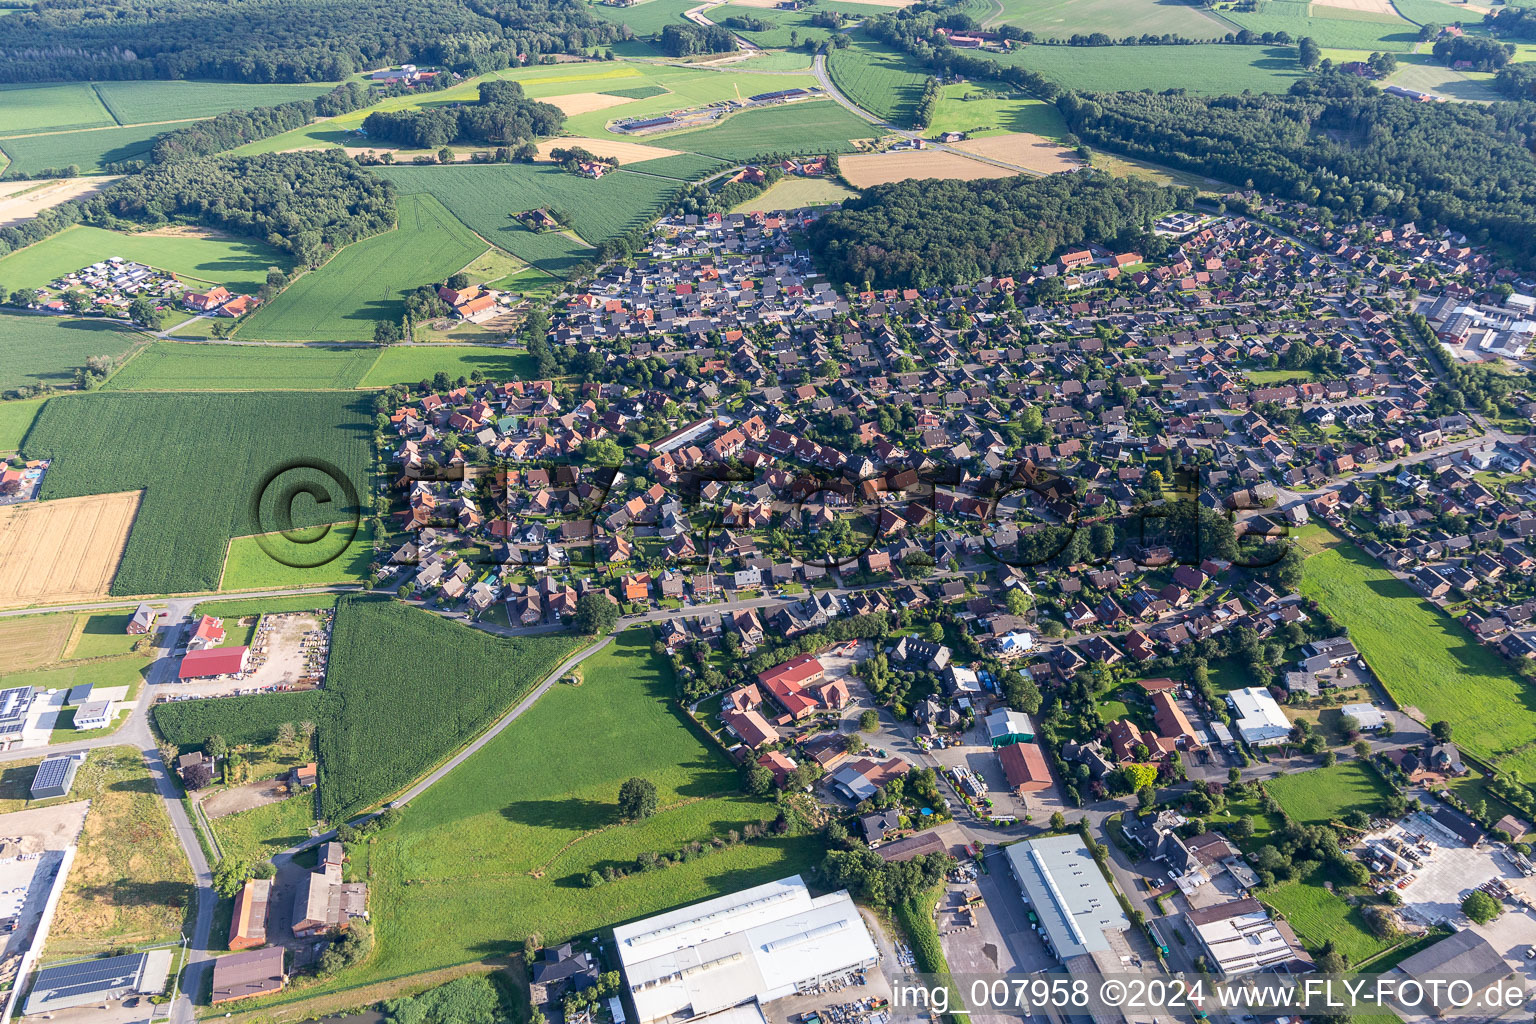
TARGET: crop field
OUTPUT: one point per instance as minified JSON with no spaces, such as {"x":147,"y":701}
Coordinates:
{"x":818,"y":126}
{"x":683,"y":166}
{"x":48,"y":349}
{"x":500,"y":845}
{"x":1322,"y":795}
{"x":1350,"y":30}
{"x":383,"y":735}
{"x":969,"y":108}
{"x":44,"y":108}
{"x":138,"y":102}
{"x":205,"y":471}
{"x":791,"y":193}
{"x":685,"y":87}
{"x":1425,"y":659}
{"x":486,"y":198}
{"x":15,"y":419}
{"x":368,"y":280}
{"x":1320,"y":916}
{"x":1437,"y":12}
{"x":1212,"y":68}
{"x":422,"y":362}
{"x":879,"y":78}
{"x":130,"y":883}
{"x":201,"y":366}
{"x":257,"y":834}
{"x":32,"y":641}
{"x":90,"y":150}
{"x":250,"y":566}
{"x":247,"y":719}
{"x":1057,"y":19}
{"x":783,"y":22}
{"x":58,"y":551}
{"x":1022,"y":149}
{"x":867,"y":169}
{"x":646,"y":18}
{"x":238,"y":264}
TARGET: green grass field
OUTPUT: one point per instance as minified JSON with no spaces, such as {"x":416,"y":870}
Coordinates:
{"x":1320,"y":916}
{"x":1420,"y":71}
{"x":683,"y":166}
{"x":1213,"y":68}
{"x":646,"y":18}
{"x":1424,"y":658}
{"x":48,"y":349}
{"x":782,"y":22}
{"x":790,"y":193}
{"x":367,"y":281}
{"x":501,"y":845}
{"x":197,"y":366}
{"x":204,"y":460}
{"x":91,"y":150}
{"x":238,"y":264}
{"x":138,"y":102}
{"x":1437,"y":12}
{"x":978,"y":111}
{"x":818,"y":126}
{"x":486,"y":197}
{"x":1057,"y":19}
{"x":1322,"y":795}
{"x":45,"y":108}
{"x":251,"y":565}
{"x":1350,"y":30}
{"x":421,"y":362}
{"x":257,"y":834}
{"x":103,"y":635}
{"x":879,"y":78}
{"x":15,"y":419}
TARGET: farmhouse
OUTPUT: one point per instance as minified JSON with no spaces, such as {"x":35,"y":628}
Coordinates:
{"x":143,"y":620}
{"x":323,"y":902}
{"x":248,"y":927}
{"x":205,"y":302}
{"x":744,"y":949}
{"x":209,"y":633}
{"x":214,"y":661}
{"x":257,"y":972}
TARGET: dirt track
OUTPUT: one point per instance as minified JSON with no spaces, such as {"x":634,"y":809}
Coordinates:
{"x":66,"y":550}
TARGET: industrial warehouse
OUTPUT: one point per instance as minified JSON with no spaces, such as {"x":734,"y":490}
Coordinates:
{"x":738,"y":952}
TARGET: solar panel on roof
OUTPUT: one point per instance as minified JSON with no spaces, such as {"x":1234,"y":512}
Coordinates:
{"x":71,"y":980}
{"x":51,"y":772}
{"x":13,"y":706}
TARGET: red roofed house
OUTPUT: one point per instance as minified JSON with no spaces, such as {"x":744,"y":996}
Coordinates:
{"x":248,"y":927}
{"x":209,"y":633}
{"x":1025,"y":767}
{"x":776,"y":761}
{"x":750,"y":727}
{"x":832,"y":693}
{"x":481,"y":307}
{"x":213,"y":298}
{"x":1171,"y":721}
{"x":238,"y":306}
{"x":10,"y":481}
{"x":787,"y":680}
{"x":214,"y":661}
{"x":1073,"y":260}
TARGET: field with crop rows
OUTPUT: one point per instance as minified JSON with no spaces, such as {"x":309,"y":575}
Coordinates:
{"x":486,"y":197}
{"x":239,"y":264}
{"x":1057,"y":19}
{"x":879,"y":78}
{"x":90,"y":150}
{"x":1213,"y":68}
{"x":411,"y":688}
{"x":203,"y":459}
{"x":139,"y":102}
{"x":368,"y":280}
{"x":1331,"y":27}
{"x":683,"y":166}
{"x":48,"y":350}
{"x":249,"y":719}
{"x":818,"y":126}
{"x":646,"y":18}
{"x":50,"y":108}
{"x":423,"y":362}
{"x":202,"y":366}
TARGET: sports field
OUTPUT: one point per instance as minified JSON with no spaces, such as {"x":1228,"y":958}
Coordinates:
{"x":204,"y":366}
{"x":1212,"y":68}
{"x":48,"y":349}
{"x":879,"y":78}
{"x":60,"y":551}
{"x":1322,"y":795}
{"x":367,"y":281}
{"x":1427,"y":661}
{"x":205,"y":461}
{"x":414,"y":363}
{"x":1058,"y":19}
{"x":486,"y":198}
{"x":91,"y":150}
{"x":239,"y":264}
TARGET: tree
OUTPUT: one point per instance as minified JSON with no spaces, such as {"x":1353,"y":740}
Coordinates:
{"x":1382,"y":922}
{"x":853,"y":743}
{"x":145,"y":313}
{"x":1058,"y":822}
{"x":1017,"y":602}
{"x":197,"y":776}
{"x":869,"y":720}
{"x":595,"y":613}
{"x":759,"y":780}
{"x":1139,"y":776}
{"x":286,"y":734}
{"x":1308,"y":52}
{"x":637,"y":799}
{"x":1481,"y":907}
{"x":386,"y":332}
{"x":230,"y":876}
{"x":216,"y":747}
{"x":1441,"y":731}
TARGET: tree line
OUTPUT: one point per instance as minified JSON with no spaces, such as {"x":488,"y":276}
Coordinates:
{"x":286,"y":40}
{"x":940,"y":232}
{"x":502,"y":116}
{"x":1337,"y":142}
{"x":237,"y":127}
{"x":916,"y":35}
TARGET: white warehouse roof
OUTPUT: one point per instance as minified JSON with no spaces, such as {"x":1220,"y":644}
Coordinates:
{"x":1075,"y":903}
{"x":756,"y":945}
{"x":1259,"y":718}
{"x":1368,"y":715}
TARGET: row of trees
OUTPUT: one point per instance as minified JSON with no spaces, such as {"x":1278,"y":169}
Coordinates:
{"x":502,"y":116}
{"x":237,"y":127}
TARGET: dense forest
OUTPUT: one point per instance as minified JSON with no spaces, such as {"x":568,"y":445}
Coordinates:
{"x":939,"y":232}
{"x":237,"y":127}
{"x":916,"y":35}
{"x":1338,"y":143}
{"x":687,"y":40}
{"x":502,"y":116}
{"x":1516,"y":22}
{"x":284,"y":40}
{"x":309,"y":203}
{"x":1481,"y":54}
{"x":1517,"y":81}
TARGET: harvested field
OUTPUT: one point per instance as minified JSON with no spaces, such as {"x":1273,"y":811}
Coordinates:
{"x":23,"y":200}
{"x":65,"y":550}
{"x":626,"y":152}
{"x":1024,"y":150}
{"x":1382,"y":7}
{"x":586,"y":102}
{"x":866,"y":169}
{"x":32,"y":641}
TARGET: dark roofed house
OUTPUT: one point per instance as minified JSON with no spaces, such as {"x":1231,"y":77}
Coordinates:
{"x":257,"y":972}
{"x":1464,"y":955}
{"x":560,"y":970}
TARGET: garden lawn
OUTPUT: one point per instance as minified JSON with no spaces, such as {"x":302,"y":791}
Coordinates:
{"x":199,"y":366}
{"x":102,"y":635}
{"x":1058,"y":19}
{"x":50,"y":108}
{"x":813,"y":127}
{"x":251,"y":564}
{"x":879,"y":78}
{"x":203,"y":460}
{"x":1211,"y":68}
{"x":1424,"y":658}
{"x":138,"y":102}
{"x":1322,"y":795}
{"x":15,"y":419}
{"x":416,"y":363}
{"x":47,"y":349}
{"x":1320,"y":916}
{"x":487,"y":196}
{"x":501,"y":845}
{"x":91,"y":150}
{"x":367,"y":281}
{"x":238,"y":264}
{"x":257,"y":834}
{"x":130,"y":883}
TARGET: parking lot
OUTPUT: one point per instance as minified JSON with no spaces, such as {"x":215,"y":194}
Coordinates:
{"x":995,"y":936}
